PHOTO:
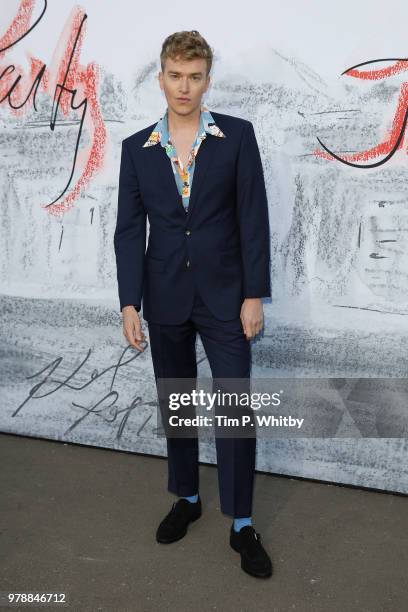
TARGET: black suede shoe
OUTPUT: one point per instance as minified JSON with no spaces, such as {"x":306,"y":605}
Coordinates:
{"x":174,"y":525}
{"x":254,"y":558}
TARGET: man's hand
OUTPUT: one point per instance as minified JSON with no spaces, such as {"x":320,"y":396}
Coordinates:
{"x":252,"y":316}
{"x":132,"y":328}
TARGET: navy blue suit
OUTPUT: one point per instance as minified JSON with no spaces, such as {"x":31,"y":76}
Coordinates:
{"x":221,"y":245}
{"x":196,"y":272}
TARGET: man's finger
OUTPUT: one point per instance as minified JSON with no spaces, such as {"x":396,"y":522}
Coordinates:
{"x":135,"y":337}
{"x":248,"y":331}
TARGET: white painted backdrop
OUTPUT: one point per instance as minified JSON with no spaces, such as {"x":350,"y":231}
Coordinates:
{"x":338,"y":232}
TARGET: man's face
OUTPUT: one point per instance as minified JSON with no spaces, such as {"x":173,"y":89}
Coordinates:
{"x":184,"y":82}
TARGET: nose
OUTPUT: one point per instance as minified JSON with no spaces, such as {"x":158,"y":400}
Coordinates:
{"x":184,"y":84}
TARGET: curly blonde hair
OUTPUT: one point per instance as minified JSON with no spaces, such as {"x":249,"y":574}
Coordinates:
{"x":186,"y":45}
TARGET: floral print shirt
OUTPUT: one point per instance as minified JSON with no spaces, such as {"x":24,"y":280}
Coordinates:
{"x":183,"y":176}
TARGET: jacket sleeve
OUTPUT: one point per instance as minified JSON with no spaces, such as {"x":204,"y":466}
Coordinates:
{"x":253,"y":218}
{"x":130,"y":234}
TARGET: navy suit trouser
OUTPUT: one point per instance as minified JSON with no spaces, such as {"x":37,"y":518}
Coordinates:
{"x":173,"y":350}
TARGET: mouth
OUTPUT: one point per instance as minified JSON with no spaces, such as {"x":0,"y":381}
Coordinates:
{"x":183,"y":99}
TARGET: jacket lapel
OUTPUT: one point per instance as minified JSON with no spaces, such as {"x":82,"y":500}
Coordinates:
{"x":205,"y":154}
{"x":162,"y":167}
{"x":163,"y":171}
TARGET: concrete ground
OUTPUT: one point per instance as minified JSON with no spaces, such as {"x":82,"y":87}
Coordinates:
{"x":82,"y":520}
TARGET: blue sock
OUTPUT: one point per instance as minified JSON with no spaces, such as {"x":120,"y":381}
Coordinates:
{"x":191,"y":498}
{"x":242,"y":522}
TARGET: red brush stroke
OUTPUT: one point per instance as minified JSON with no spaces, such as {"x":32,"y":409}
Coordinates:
{"x":19,"y":25}
{"x":376,"y":75}
{"x":82,"y":79}
{"x":393,"y":140}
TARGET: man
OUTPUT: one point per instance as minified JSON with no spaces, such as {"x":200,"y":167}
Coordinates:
{"x":197,"y":175}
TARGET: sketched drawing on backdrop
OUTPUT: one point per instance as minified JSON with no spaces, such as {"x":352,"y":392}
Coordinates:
{"x":338,"y":249}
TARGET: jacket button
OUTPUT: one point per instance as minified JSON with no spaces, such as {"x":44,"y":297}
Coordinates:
{"x":188,"y":232}
{"x":187,"y":263}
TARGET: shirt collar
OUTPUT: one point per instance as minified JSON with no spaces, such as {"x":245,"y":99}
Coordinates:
{"x":160,"y":131}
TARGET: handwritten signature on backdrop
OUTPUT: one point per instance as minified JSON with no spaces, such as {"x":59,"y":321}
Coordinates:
{"x":394,"y":138}
{"x":67,"y":79}
{"x":107,"y":408}
{"x":71,"y":86}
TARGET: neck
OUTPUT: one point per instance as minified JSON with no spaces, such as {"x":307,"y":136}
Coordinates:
{"x":183,"y":123}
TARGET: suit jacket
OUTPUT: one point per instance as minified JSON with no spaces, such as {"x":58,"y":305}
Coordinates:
{"x":221,"y":246}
